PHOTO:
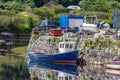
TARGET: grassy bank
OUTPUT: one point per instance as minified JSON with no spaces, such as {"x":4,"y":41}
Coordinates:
{"x":13,"y":66}
{"x":10,"y":59}
{"x":17,"y":54}
{"x":20,"y":50}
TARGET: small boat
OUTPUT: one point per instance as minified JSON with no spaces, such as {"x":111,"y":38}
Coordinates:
{"x":89,"y":27}
{"x":112,"y":72}
{"x":67,"y":54}
{"x":113,"y":64}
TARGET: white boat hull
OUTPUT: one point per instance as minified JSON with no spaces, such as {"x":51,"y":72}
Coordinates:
{"x":113,"y":66}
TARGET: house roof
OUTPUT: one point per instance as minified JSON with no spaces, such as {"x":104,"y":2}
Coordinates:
{"x":50,"y":3}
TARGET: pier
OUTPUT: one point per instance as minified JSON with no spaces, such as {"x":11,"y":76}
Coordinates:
{"x":50,"y":43}
{"x":94,"y":51}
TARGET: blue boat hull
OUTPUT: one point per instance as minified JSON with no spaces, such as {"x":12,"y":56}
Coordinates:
{"x":60,"y":57}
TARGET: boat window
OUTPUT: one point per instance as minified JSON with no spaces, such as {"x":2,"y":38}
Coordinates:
{"x":66,"y":78}
{"x":71,"y":46}
{"x":60,"y":78}
{"x":62,"y":46}
{"x":66,"y":45}
{"x":70,"y":78}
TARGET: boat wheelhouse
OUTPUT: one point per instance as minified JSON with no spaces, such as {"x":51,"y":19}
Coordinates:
{"x":67,"y":46}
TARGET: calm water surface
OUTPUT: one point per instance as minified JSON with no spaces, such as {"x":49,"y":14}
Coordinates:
{"x":18,"y":68}
{"x":50,"y":71}
{"x":13,"y":67}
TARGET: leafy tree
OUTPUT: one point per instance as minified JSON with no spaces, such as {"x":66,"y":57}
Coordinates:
{"x":39,"y":3}
{"x":5,"y":0}
{"x":68,"y":2}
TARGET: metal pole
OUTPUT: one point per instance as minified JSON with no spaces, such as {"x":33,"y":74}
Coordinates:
{"x":116,"y":21}
{"x":83,"y":7}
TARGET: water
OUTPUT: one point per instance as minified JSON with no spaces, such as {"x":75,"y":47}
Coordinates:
{"x":51,"y":71}
{"x":13,"y":68}
{"x":12,"y":65}
{"x":18,"y":68}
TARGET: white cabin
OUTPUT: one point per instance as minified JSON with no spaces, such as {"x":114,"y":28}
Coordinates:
{"x":67,"y":46}
{"x":66,"y":76}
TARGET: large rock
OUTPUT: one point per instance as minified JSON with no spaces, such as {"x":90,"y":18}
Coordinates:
{"x":3,"y":44}
{"x":3,"y":47}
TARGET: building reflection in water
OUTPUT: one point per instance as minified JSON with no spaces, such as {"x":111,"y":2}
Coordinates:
{"x":50,"y":71}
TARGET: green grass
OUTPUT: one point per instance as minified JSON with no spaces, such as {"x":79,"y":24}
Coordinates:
{"x":20,"y":50}
{"x":14,"y":57}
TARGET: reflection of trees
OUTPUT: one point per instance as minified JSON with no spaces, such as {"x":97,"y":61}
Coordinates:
{"x":14,"y":72}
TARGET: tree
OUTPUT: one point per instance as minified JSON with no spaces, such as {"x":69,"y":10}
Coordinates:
{"x":39,"y":3}
{"x":66,"y":3}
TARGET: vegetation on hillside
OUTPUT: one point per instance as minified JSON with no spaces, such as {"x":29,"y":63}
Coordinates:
{"x":20,"y":16}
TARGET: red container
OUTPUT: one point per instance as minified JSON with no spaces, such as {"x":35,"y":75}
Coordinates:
{"x":71,"y":30}
{"x":56,"y":32}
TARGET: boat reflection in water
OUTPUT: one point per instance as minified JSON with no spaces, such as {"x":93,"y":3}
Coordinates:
{"x":98,"y":72}
{"x":52,"y":71}
{"x":44,"y":71}
{"x":115,"y":74}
